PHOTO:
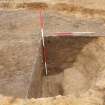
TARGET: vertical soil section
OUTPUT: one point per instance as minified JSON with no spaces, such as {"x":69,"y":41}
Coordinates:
{"x":62,"y":53}
{"x":73,"y":65}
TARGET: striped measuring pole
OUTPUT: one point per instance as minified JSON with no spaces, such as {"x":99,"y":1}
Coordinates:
{"x":91,"y":34}
{"x":43,"y":42}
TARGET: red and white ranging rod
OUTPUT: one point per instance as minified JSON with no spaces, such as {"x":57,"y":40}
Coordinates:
{"x":60,"y":34}
{"x":43,"y":41}
{"x":79,"y":34}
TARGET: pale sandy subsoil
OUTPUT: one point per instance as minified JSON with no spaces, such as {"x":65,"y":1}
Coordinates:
{"x":87,"y":71}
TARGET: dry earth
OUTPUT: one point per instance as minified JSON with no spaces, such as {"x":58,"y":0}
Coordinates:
{"x":94,"y":4}
{"x":83,"y":82}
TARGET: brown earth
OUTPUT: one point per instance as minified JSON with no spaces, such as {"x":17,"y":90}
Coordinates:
{"x":75,"y":66}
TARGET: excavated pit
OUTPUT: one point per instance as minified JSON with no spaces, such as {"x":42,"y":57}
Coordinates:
{"x":72,"y":67}
{"x":75,"y":65}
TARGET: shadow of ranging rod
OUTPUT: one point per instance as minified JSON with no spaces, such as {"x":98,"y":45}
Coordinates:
{"x":79,"y":33}
{"x":43,"y":42}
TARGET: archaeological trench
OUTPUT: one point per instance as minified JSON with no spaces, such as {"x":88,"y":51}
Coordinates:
{"x":76,"y":64}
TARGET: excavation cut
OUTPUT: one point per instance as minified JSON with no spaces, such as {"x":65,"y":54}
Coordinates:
{"x":74,"y":66}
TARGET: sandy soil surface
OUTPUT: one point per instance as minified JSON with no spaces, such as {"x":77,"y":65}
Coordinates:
{"x":95,"y":4}
{"x":90,"y":4}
